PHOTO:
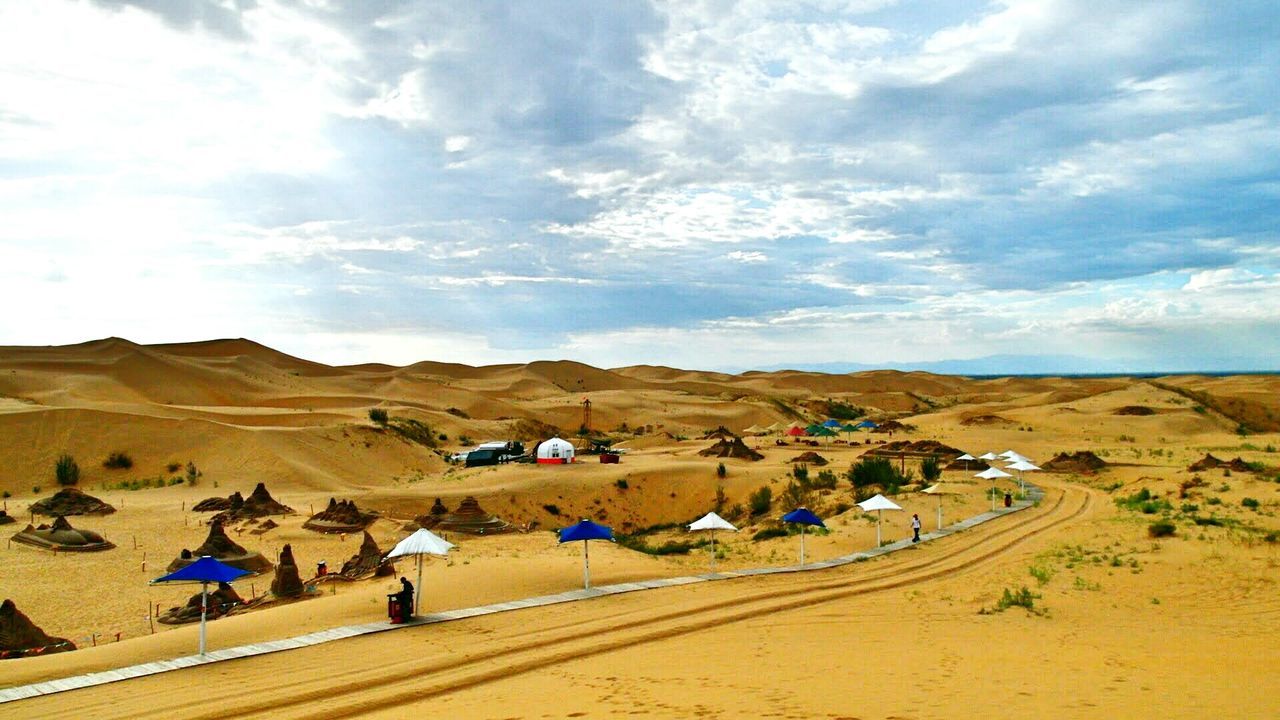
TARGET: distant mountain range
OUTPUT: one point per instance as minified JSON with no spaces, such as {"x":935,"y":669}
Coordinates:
{"x":1000,"y":365}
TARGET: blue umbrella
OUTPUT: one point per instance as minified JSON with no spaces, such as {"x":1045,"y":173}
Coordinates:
{"x":802,"y":517}
{"x":833,"y":424}
{"x":867,"y":424}
{"x":203,"y":571}
{"x":585,"y":530}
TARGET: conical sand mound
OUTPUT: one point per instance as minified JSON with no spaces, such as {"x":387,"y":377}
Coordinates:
{"x":471,"y":518}
{"x":366,"y":561}
{"x":341,"y":516}
{"x":19,"y":637}
{"x":222,"y":548}
{"x":61,"y":537}
{"x":71,"y":501}
{"x":258,"y":504}
{"x":734,"y":448}
{"x":287,"y":582}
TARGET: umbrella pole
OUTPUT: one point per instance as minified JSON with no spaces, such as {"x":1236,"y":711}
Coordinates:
{"x":418,"y":590}
{"x":879,"y":520}
{"x":204,"y":609}
{"x":993,"y":494}
{"x":586,"y":566}
{"x":802,"y":544}
{"x":939,"y":512}
{"x":713,"y":548}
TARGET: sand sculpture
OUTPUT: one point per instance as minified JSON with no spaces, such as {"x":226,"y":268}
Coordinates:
{"x":19,"y":637}
{"x":734,"y":448}
{"x":266,"y":526}
{"x":222,"y":600}
{"x":809,"y":458}
{"x":258,"y":504}
{"x":216,"y":504}
{"x":287,"y":582}
{"x":1209,"y":462}
{"x":61,"y":537}
{"x":71,"y":501}
{"x":341,"y":516}
{"x":471,"y":518}
{"x":367,"y":561}
{"x":720,"y":433}
{"x":1079,"y":462}
{"x":431,"y":518}
{"x":222,"y":548}
{"x":6,"y":518}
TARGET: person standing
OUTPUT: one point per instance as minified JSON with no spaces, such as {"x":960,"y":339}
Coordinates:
{"x":915,"y":528}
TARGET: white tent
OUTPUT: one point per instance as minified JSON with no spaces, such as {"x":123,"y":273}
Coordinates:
{"x":555,"y":452}
{"x":422,"y":542}
{"x":712,"y":522}
{"x":991,"y":474}
{"x":879,"y":503}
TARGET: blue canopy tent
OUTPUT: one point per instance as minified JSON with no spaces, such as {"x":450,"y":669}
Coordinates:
{"x":585,"y":530}
{"x":802,"y":517}
{"x":203,"y":571}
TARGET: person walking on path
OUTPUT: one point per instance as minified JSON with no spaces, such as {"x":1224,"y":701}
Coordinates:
{"x":915,"y":528}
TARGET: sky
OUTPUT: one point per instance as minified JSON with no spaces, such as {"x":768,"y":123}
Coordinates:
{"x":711,"y":185}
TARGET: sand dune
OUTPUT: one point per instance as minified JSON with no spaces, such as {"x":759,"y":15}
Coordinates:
{"x":1134,"y":625}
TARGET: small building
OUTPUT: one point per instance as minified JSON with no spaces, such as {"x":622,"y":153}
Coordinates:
{"x":555,"y":452}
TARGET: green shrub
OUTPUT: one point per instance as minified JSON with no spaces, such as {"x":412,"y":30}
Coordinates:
{"x":876,"y":471}
{"x":1022,"y":598}
{"x":1162,"y":528}
{"x":1251,"y":503}
{"x":379,"y":416}
{"x":1213,"y":501}
{"x":801,"y":473}
{"x":66,"y":470}
{"x":930,"y":469}
{"x":118,"y":460}
{"x":173,"y":467}
{"x":767,"y":533}
{"x":621,"y":484}
{"x":721,"y":470}
{"x":1210,"y":521}
{"x":1041,"y":573}
{"x":194,"y":474}
{"x":826,"y":480}
{"x":7,"y":494}
{"x":760,"y":501}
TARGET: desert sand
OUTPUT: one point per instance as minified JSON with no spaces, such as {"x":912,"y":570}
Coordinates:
{"x":1122,"y":624}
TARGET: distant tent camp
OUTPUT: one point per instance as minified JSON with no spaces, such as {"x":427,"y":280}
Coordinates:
{"x":555,"y":452}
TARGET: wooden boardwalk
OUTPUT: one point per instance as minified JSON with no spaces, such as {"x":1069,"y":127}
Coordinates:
{"x":76,"y":682}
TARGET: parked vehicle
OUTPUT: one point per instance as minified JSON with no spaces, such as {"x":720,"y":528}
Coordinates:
{"x":490,"y":453}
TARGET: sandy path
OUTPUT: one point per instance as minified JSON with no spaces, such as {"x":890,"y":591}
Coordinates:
{"x":371,"y":675}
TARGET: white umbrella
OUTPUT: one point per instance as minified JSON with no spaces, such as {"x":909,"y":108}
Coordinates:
{"x":712,"y":522}
{"x":1020,"y":466}
{"x":1012,"y":456}
{"x":991,"y":474}
{"x":422,"y":542}
{"x":989,"y":456}
{"x":966,"y":458}
{"x":879,"y":503}
{"x":940,"y":489}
